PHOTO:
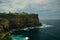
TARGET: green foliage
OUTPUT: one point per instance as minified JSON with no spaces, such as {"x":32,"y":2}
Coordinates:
{"x":3,"y":15}
{"x":6,"y":38}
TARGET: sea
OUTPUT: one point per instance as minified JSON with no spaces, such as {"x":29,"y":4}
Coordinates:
{"x":50,"y":30}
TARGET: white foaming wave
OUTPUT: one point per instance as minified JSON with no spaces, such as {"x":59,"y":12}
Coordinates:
{"x":26,"y":38}
{"x":45,"y":25}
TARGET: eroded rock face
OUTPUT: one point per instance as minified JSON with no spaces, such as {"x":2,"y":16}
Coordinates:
{"x":22,"y":20}
{"x":25,"y":20}
{"x":4,"y":24}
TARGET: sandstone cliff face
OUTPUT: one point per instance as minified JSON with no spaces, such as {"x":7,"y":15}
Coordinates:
{"x":4,"y":25}
{"x":16,"y":20}
{"x":25,"y":20}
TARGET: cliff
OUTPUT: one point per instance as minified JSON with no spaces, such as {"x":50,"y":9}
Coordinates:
{"x":19,"y":20}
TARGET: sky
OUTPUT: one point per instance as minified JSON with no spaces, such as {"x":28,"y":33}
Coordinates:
{"x":46,"y":9}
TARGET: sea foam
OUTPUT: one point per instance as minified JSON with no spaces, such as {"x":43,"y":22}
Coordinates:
{"x":45,"y":25}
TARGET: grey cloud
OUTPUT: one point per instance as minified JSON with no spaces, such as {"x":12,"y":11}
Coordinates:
{"x":51,"y":9}
{"x":1,"y":2}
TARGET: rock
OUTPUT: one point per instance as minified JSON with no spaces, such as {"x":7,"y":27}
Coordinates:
{"x":16,"y":20}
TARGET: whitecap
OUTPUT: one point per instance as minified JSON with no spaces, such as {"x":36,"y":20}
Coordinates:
{"x":26,"y":38}
{"x":45,"y":25}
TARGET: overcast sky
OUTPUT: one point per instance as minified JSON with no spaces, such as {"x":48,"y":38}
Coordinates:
{"x":47,"y":9}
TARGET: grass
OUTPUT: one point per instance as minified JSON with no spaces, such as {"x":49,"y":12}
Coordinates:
{"x":7,"y":37}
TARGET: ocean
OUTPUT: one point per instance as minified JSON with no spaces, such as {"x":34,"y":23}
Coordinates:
{"x":50,"y":30}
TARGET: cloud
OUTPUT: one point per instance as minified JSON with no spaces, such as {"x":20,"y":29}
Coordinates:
{"x":1,"y":2}
{"x":13,"y":5}
{"x":42,"y":7}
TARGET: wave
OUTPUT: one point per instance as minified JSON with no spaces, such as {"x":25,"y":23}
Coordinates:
{"x":43,"y":26}
{"x":28,"y":28}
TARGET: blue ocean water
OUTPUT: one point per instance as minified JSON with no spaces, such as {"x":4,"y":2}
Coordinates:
{"x":50,"y":30}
